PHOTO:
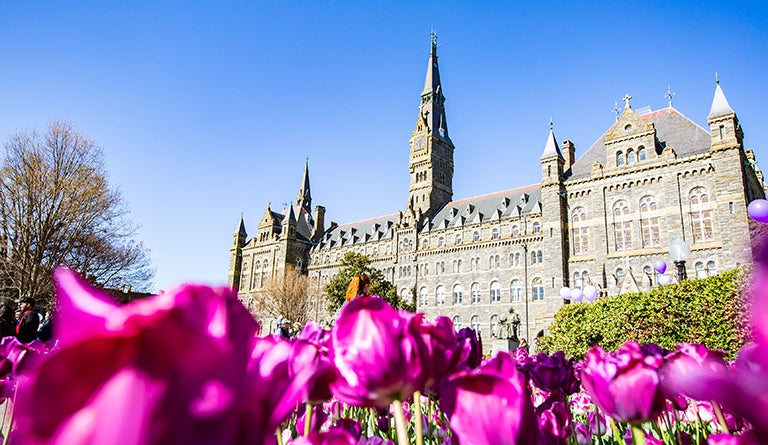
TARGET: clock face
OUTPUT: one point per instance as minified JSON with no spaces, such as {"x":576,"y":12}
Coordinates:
{"x":419,"y":143}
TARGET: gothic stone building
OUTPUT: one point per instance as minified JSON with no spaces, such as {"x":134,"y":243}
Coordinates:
{"x":602,"y":218}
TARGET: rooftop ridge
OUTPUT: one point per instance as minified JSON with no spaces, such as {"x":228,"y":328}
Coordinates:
{"x":524,"y":188}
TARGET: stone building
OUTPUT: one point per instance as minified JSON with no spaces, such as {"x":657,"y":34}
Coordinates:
{"x":602,"y":219}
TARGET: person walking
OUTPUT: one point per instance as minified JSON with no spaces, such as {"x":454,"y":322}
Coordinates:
{"x":285,"y":329}
{"x":26,"y":330}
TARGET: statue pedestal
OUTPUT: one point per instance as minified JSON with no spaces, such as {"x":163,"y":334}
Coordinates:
{"x":503,"y":344}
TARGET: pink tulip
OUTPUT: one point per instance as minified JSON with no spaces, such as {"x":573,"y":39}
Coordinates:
{"x":490,"y":405}
{"x":379,"y":353}
{"x":625,"y":384}
{"x":180,"y":367}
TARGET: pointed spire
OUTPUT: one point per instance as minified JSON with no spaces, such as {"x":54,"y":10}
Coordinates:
{"x":291,"y":216}
{"x":432,"y":111}
{"x":551,"y":149}
{"x":241,"y":227}
{"x":720,"y":106}
{"x":432,"y":82}
{"x":304,"y":199}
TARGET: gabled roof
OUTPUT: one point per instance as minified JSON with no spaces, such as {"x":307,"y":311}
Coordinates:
{"x":377,"y":228}
{"x":672,"y":129}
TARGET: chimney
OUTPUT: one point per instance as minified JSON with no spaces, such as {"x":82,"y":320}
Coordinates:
{"x":319,"y":227}
{"x":569,"y":153}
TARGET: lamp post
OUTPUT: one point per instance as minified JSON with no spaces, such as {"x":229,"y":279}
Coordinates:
{"x":679,"y":251}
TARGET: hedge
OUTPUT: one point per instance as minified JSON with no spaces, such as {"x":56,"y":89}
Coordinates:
{"x":710,"y":311}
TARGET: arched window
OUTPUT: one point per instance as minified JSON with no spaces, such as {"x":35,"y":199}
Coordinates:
{"x":539,"y":258}
{"x":497,"y":261}
{"x":536,"y":227}
{"x":472,"y":264}
{"x":405,"y":294}
{"x":299,"y":263}
{"x":580,"y":233}
{"x":711,"y":269}
{"x":700,"y":271}
{"x":495,"y":233}
{"x":577,"y":283}
{"x":533,"y":257}
{"x":516,"y":290}
{"x":457,"y":325}
{"x":649,"y":222}
{"x":440,"y":295}
{"x":442,"y":266}
{"x":620,"y":158}
{"x":630,"y":156}
{"x":457,"y":294}
{"x":455,"y":266}
{"x":515,"y":230}
{"x":517,"y":259}
{"x":458,"y":239}
{"x":475,"y":291}
{"x":475,"y":324}
{"x":458,"y":266}
{"x":701,"y":215}
{"x":622,"y":226}
{"x":476,"y":236}
{"x":423,"y":296}
{"x":494,"y":325}
{"x":538,"y":289}
{"x":441,"y":241}
{"x":641,"y":153}
{"x":619,"y":276}
{"x":495,"y":292}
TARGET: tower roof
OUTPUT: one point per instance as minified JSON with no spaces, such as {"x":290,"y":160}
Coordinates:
{"x":432,"y":82}
{"x":551,"y":149}
{"x":304,"y":199}
{"x":432,"y":111}
{"x":720,"y":106}
{"x":241,"y":227}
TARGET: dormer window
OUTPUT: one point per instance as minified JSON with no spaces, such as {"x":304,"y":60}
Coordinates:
{"x":524,"y":199}
{"x":620,"y":158}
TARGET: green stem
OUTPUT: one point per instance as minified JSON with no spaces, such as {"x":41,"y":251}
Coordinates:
{"x":278,"y":433}
{"x":10,"y":420}
{"x":308,"y":418}
{"x":638,"y":435}
{"x":419,"y":427}
{"x":402,"y":433}
{"x":597,"y":425}
{"x":616,"y":432}
{"x":720,"y":417}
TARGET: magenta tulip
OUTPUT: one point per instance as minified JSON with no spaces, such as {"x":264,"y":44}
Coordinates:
{"x":180,"y":367}
{"x":379,"y":353}
{"x":490,"y":405}
{"x":442,"y":350}
{"x":553,"y":373}
{"x":470,"y":348}
{"x":625,"y":384}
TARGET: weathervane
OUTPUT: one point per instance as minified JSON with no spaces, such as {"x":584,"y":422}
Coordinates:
{"x":616,"y":110}
{"x":551,"y":124}
{"x":717,"y":78}
{"x":669,"y":95}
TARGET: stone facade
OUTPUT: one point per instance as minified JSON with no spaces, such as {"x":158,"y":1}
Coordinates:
{"x":601,"y":219}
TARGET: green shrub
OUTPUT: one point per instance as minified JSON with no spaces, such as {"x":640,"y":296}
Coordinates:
{"x":710,"y":311}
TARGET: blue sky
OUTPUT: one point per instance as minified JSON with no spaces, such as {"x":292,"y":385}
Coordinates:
{"x":207,"y":110}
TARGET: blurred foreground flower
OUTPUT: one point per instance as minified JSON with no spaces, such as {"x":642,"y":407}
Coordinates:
{"x":180,"y":367}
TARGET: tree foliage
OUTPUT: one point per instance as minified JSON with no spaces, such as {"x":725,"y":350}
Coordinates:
{"x":710,"y":311}
{"x":57,"y":208}
{"x":353,"y":264}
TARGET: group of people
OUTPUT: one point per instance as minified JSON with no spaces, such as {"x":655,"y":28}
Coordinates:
{"x":26,"y":324}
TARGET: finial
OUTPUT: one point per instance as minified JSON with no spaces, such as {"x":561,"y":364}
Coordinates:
{"x":717,"y":78}
{"x":616,"y":110}
{"x":269,"y":204}
{"x":626,"y":100}
{"x":551,"y":124}
{"x":433,"y":38}
{"x":669,"y":95}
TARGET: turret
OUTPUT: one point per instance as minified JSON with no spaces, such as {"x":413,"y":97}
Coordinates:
{"x":236,"y":255}
{"x":724,"y":127}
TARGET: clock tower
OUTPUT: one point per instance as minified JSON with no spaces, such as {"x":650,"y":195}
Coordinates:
{"x":431,"y":161}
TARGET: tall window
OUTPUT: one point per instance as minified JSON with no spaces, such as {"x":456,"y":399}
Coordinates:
{"x":700,"y":272}
{"x":533,"y":257}
{"x":620,"y":158}
{"x":476,"y":236}
{"x":423,"y":296}
{"x":711,"y":269}
{"x":516,"y":290}
{"x":630,"y":156}
{"x":641,"y":153}
{"x":440,"y":295}
{"x":441,"y":241}
{"x":458,"y":239}
{"x":472,"y":264}
{"x":619,"y":276}
{"x":580,"y":236}
{"x":475,"y":324}
{"x":495,"y":234}
{"x":457,"y":325}
{"x":622,"y":226}
{"x":577,"y":280}
{"x":536,"y":227}
{"x":494,"y":325}
{"x":495,"y":292}
{"x":539,"y":256}
{"x":515,"y":230}
{"x":701,"y":215}
{"x":538,"y":289}
{"x":475,"y":291}
{"x":457,"y":294}
{"x":649,"y":222}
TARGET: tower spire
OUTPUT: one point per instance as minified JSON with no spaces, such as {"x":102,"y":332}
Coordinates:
{"x":432,"y":100}
{"x":304,"y":199}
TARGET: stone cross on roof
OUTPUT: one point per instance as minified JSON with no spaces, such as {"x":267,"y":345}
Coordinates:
{"x":626,"y":100}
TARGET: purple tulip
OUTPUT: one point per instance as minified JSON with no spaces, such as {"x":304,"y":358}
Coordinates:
{"x":598,"y":425}
{"x":470,"y":347}
{"x":687,"y":359}
{"x":442,"y":350}
{"x":336,"y":436}
{"x":379,"y":353}
{"x":180,"y":367}
{"x":554,"y":421}
{"x":554,"y":373}
{"x":581,"y":434}
{"x":747,"y":438}
{"x":490,"y":405}
{"x":625,"y":384}
{"x":313,"y":358}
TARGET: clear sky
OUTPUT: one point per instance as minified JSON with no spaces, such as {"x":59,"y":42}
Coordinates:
{"x":208,"y":109}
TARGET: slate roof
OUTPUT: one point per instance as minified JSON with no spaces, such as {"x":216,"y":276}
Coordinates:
{"x":672,"y":129}
{"x":381,"y":227}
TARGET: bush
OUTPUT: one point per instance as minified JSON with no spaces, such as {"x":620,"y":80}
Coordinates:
{"x":710,"y":311}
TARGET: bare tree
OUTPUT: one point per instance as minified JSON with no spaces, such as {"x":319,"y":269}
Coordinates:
{"x":57,"y":208}
{"x":287,"y":296}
